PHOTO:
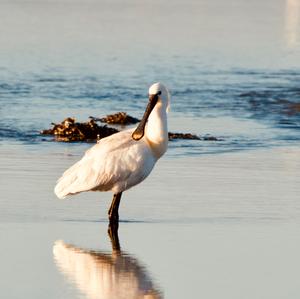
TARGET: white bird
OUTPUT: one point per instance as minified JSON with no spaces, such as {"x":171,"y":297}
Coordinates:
{"x":122,"y":160}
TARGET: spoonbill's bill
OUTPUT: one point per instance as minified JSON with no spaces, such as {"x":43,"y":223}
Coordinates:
{"x":123,"y":160}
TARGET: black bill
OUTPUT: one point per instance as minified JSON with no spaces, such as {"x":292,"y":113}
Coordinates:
{"x":140,"y":130}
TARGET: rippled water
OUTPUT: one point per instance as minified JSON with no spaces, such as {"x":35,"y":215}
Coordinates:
{"x":227,"y":65}
{"x":243,"y":108}
{"x":215,"y":218}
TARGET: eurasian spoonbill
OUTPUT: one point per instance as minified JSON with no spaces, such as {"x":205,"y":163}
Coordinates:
{"x":122,"y":160}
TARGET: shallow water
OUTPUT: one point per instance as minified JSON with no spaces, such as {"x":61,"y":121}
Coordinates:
{"x":211,"y":225}
{"x":172,"y":261}
{"x":214,"y":219}
{"x":228,"y":66}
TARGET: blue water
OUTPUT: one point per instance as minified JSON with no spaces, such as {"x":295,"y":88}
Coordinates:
{"x":233,"y":68}
{"x":243,"y":108}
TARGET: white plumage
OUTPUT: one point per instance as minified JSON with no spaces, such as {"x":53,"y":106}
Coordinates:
{"x":116,"y":163}
{"x":124,"y":159}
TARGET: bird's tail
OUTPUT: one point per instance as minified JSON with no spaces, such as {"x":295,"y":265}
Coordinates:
{"x":64,"y":186}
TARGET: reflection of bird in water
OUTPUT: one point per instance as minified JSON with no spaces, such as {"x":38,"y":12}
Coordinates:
{"x":102,"y":275}
{"x":124,"y":159}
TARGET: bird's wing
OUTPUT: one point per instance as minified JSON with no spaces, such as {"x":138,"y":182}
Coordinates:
{"x":116,"y":162}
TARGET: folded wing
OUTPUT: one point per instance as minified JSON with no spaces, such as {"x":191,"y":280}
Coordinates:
{"x":115,"y":163}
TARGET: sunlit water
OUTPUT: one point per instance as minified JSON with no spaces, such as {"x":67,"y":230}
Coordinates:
{"x":215,"y":218}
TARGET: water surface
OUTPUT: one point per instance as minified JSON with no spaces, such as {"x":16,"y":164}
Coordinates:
{"x":215,"y":218}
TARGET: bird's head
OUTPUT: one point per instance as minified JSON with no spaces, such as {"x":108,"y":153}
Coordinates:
{"x":158,"y":94}
{"x":162,"y":93}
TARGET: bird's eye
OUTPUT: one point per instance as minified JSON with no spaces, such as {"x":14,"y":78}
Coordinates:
{"x":159,"y":93}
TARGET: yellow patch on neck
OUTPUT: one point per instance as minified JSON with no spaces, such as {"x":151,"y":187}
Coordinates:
{"x":158,"y":149}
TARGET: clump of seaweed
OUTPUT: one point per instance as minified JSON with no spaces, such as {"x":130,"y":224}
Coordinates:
{"x":210,"y":138}
{"x":69,"y":131}
{"x":173,"y":136}
{"x":120,"y":118}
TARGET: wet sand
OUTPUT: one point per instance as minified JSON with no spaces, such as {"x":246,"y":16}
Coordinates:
{"x":210,"y":226}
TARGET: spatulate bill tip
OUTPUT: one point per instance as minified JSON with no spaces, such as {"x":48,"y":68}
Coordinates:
{"x":137,"y":135}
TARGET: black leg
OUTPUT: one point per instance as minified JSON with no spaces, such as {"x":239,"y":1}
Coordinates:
{"x":113,"y":213}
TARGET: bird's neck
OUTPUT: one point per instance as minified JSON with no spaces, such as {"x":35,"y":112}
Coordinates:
{"x":156,"y":130}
